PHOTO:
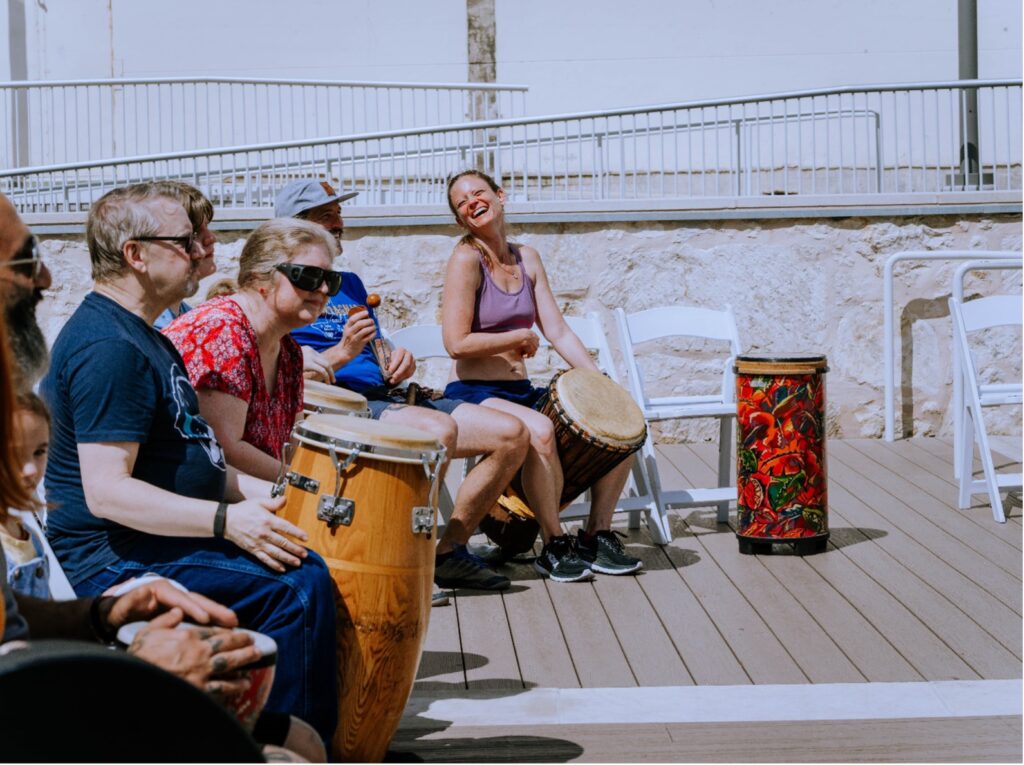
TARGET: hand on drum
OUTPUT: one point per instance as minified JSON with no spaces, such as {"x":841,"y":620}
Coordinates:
{"x":204,"y":657}
{"x":359,"y":330}
{"x":158,"y":596}
{"x":403,"y":366}
{"x":528,"y":343}
{"x":316,"y":367}
{"x":253,"y":526}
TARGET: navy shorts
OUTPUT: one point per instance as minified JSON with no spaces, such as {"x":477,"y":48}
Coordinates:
{"x":521,"y":392}
{"x":378,"y":403}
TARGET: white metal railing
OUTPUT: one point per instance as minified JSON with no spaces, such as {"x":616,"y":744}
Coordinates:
{"x":51,"y":122}
{"x":892,"y":139}
{"x":888,"y":321}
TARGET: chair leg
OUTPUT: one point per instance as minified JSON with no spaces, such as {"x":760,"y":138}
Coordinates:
{"x":995,"y":500}
{"x":657,"y":515}
{"x":724,"y":463}
{"x":965,"y":457}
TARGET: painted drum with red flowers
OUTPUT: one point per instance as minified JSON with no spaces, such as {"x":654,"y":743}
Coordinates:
{"x":782,"y":481}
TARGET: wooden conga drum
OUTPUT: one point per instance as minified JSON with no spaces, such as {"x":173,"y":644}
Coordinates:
{"x":321,"y":398}
{"x":366,"y":493}
{"x":597,"y":426}
{"x":780,"y":452}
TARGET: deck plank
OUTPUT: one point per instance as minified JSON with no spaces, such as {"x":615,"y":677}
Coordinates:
{"x":932,"y":501}
{"x":597,"y":656}
{"x":789,"y":620}
{"x":487,"y":641}
{"x":995,"y":601}
{"x":705,"y":653}
{"x":441,"y":666}
{"x":543,"y":655}
{"x":955,"y":739}
{"x":649,"y":649}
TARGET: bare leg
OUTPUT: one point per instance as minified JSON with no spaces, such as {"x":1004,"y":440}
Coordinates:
{"x":470,"y":431}
{"x":542,"y":471}
{"x":502,"y":442}
{"x":604,"y":495}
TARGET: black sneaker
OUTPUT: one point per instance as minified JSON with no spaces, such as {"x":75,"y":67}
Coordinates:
{"x":460,"y":568}
{"x":605,"y":554}
{"x":560,"y":562}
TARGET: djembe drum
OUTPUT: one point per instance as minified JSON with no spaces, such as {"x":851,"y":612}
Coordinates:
{"x":780,"y":452}
{"x":366,"y":493}
{"x":321,"y":398}
{"x":597,"y":426}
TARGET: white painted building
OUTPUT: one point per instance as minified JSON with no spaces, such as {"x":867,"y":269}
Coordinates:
{"x":573,"y":54}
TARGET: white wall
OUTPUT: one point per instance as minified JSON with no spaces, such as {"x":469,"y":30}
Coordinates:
{"x":574,"y":54}
{"x":580,"y":55}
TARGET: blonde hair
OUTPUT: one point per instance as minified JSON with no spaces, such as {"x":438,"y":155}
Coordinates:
{"x":222,"y":287}
{"x":277,"y":241}
{"x":198,"y":208}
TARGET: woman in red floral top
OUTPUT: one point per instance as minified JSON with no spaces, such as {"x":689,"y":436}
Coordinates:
{"x":240,"y":358}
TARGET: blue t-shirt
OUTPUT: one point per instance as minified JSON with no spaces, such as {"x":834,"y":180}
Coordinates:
{"x":113,"y":378}
{"x":362,"y":372}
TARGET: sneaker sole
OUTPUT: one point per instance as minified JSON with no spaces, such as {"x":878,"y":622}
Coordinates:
{"x":456,"y":584}
{"x":582,"y":577}
{"x":615,"y":571}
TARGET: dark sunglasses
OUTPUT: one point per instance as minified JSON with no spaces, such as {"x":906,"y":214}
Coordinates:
{"x":185,"y":242}
{"x":28,"y":261}
{"x":310,"y":278}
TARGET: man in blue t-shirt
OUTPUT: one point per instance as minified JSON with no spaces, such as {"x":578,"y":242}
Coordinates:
{"x":138,"y":477}
{"x":345,"y":342}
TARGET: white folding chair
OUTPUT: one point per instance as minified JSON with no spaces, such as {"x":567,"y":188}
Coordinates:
{"x":684,"y":321}
{"x":637,"y":496}
{"x":973,"y":316}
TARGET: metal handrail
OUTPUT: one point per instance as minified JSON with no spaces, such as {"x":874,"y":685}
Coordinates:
{"x":685,"y":149}
{"x":114,"y":81}
{"x":887,"y":309}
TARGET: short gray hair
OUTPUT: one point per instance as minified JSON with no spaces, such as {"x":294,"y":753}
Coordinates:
{"x":115,"y":218}
{"x":276,"y":242}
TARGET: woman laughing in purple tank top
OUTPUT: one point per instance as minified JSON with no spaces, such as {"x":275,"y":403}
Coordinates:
{"x":494,"y":293}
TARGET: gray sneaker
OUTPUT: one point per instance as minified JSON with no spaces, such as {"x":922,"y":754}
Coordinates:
{"x":439,"y":598}
{"x":560,"y":562}
{"x":461,"y":569}
{"x":605,"y":554}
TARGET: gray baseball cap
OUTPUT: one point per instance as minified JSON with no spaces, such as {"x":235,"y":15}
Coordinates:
{"x":299,"y":196}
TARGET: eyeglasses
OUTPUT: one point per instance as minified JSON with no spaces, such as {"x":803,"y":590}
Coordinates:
{"x":185,"y":242}
{"x":28,"y":261}
{"x":310,"y":278}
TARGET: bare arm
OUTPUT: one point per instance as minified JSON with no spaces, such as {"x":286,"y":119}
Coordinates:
{"x":240,"y":486}
{"x":457,"y":304}
{"x":549,"y":317}
{"x":112,"y":493}
{"x":226,"y":415}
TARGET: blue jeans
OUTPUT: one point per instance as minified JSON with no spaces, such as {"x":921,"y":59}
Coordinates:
{"x":295,"y":608}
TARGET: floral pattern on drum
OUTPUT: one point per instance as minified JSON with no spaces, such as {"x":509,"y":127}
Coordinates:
{"x":781,"y":456}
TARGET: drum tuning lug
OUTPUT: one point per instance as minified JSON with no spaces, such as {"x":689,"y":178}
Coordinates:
{"x":303,"y":482}
{"x":423,"y":520}
{"x":335,"y":511}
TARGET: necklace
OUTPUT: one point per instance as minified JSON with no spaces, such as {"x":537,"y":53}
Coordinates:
{"x":514,"y":272}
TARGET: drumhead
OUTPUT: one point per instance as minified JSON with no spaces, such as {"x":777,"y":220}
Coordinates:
{"x":318,"y":395}
{"x":370,"y":436}
{"x":780,"y":364}
{"x":602,"y":408}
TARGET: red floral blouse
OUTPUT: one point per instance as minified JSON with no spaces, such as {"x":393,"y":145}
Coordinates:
{"x":221,"y":352}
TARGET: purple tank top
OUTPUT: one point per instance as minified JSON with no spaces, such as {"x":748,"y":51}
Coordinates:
{"x":499,"y":311}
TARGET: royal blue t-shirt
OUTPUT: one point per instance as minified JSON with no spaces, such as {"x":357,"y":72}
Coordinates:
{"x":362,"y":372}
{"x":113,"y":378}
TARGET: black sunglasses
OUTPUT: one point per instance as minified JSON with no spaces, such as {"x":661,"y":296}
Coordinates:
{"x":185,"y":242}
{"x":310,"y":278}
{"x":28,"y":261}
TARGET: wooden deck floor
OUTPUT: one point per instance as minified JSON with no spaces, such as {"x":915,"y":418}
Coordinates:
{"x":910,"y":590}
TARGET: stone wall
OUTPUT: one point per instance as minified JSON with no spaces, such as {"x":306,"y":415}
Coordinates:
{"x":795,"y":285}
